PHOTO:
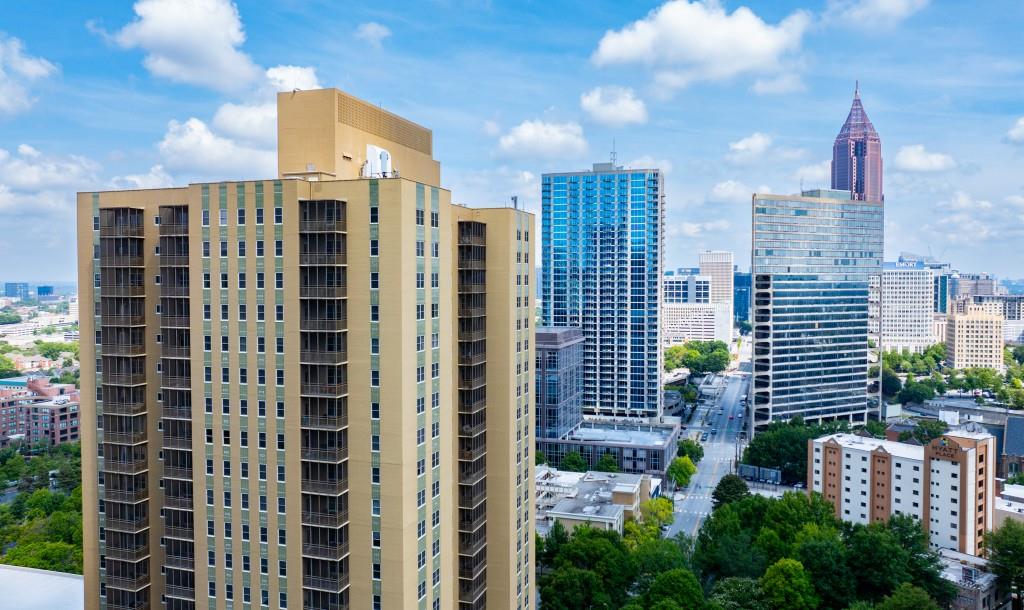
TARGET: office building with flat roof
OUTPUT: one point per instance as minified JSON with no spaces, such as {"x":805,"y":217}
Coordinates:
{"x":741,"y":296}
{"x":16,"y":290}
{"x":559,"y":374}
{"x":682,"y":322}
{"x":603,"y":252}
{"x":718,"y":265}
{"x":689,"y":288}
{"x":902,"y":304}
{"x":974,"y":339}
{"x":325,"y":376}
{"x":813,"y":255}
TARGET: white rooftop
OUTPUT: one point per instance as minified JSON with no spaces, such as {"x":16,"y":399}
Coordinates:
{"x":32,"y":589}
{"x":620,"y":434}
{"x":866,"y":443}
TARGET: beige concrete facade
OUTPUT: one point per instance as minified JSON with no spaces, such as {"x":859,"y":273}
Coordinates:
{"x":974,"y":339}
{"x":280,"y":368}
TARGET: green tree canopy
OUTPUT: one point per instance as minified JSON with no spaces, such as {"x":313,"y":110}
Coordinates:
{"x":908,"y":597}
{"x":1005,"y":547}
{"x":787,"y":586}
{"x":607,"y":463}
{"x":678,"y":585}
{"x":730,"y":489}
{"x":737,"y":593}
{"x":573,"y":462}
{"x":691,"y":448}
{"x":681,"y":470}
{"x":699,"y":357}
{"x":783,"y":445}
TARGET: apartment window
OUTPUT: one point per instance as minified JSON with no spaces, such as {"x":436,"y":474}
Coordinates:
{"x":374,"y":313}
{"x":259,"y":216}
{"x":375,"y":539}
{"x":419,"y":247}
{"x":419,"y":218}
{"x":374,"y":280}
{"x":435,"y":219}
{"x":278,"y":215}
{"x":206,"y":218}
{"x":241,"y":280}
{"x":374,"y":215}
{"x":374,"y":442}
{"x":241,"y":216}
{"x":278,"y":248}
{"x":374,"y":247}
{"x":259,"y":248}
{"x":279,"y":280}
{"x":374,"y":410}
{"x":223,"y":248}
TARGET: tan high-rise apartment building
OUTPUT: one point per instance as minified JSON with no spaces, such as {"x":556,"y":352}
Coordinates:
{"x":974,"y":339}
{"x":313,"y":391}
{"x":718,"y":265}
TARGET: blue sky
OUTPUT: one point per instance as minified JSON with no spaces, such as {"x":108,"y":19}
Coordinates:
{"x":727,"y":97}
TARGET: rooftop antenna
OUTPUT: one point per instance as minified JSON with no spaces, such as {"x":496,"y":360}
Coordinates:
{"x":515,"y":201}
{"x":613,"y":155}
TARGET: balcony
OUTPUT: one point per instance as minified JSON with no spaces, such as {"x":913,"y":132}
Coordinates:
{"x":333,"y":357}
{"x":123,"y":349}
{"x":132,"y":526}
{"x":332,"y":456}
{"x":471,"y":545}
{"x":125,"y":495}
{"x":472,"y":240}
{"x":324,"y":422}
{"x":175,"y":351}
{"x":322,"y":226}
{"x":470,"y":568}
{"x":324,"y":390}
{"x":122,"y":291}
{"x":134,"y":554}
{"x":174,"y":260}
{"x":471,"y":524}
{"x":472,"y":382}
{"x":177,"y":442}
{"x":473,"y":359}
{"x":117,"y":407}
{"x":180,"y":562}
{"x":472,"y":312}
{"x":472,"y":594}
{"x":127,"y":583}
{"x":471,"y":430}
{"x":133,"y":437}
{"x":472,"y":335}
{"x":471,"y":498}
{"x":175,"y":322}
{"x":332,"y":259}
{"x":125,"y":467}
{"x":328,"y":488}
{"x":179,"y":502}
{"x":168,"y":290}
{"x":325,"y":519}
{"x":173,"y":228}
{"x":180,"y":592}
{"x":121,"y":260}
{"x":183,"y":533}
{"x":178,"y":472}
{"x":179,"y":383}
{"x":468,"y":288}
{"x":473,"y":454}
{"x":323,"y":292}
{"x":333,"y":584}
{"x":470,"y":407}
{"x":323,"y":324}
{"x":333,"y":552}
{"x":124,"y":379}
{"x":138,"y":604}
{"x":122,"y":230}
{"x":176,"y":412}
{"x":122,"y":320}
{"x":472,"y":263}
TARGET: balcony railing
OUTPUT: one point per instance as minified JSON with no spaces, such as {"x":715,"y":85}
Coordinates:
{"x":472,"y":240}
{"x":323,"y":324}
{"x":323,"y":292}
{"x":176,"y":412}
{"x":322,"y":226}
{"x":323,"y":357}
{"x":332,"y":456}
{"x":170,"y":290}
{"x":330,"y":488}
{"x":472,"y":312}
{"x":138,"y":604}
{"x":124,"y":438}
{"x":133,"y":526}
{"x":180,"y":592}
{"x":177,"y":442}
{"x":128,"y":583}
{"x":473,"y":288}
{"x":334,"y":584}
{"x":175,"y":322}
{"x":325,"y":519}
{"x":174,"y":260}
{"x":124,"y":379}
{"x":175,"y":351}
{"x":180,"y":562}
{"x":472,"y":263}
{"x":184,"y":533}
{"x":327,"y":390}
{"x":471,"y":524}
{"x":173,"y":228}
{"x":125,"y":467}
{"x":122,"y":290}
{"x":178,"y":472}
{"x":471,"y":498}
{"x":325,"y":551}
{"x":310,"y":258}
{"x":121,"y":260}
{"x":179,"y":502}
{"x":472,"y":335}
{"x":122,"y":320}
{"x":471,"y":545}
{"x":181,"y":383}
{"x":123,"y":349}
{"x":125,"y":495}
{"x":472,"y":406}
{"x":134,"y":554}
{"x":473,"y":359}
{"x":473,"y":454}
{"x":324,"y":422}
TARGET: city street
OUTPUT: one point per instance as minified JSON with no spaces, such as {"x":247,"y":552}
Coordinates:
{"x":693,"y":504}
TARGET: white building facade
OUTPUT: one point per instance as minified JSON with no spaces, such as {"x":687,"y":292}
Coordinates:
{"x":682,"y":322}
{"x":901,"y":307}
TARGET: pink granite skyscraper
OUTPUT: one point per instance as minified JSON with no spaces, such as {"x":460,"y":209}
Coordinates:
{"x":857,"y":156}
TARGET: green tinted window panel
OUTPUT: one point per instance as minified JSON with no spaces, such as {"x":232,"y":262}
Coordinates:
{"x":374,"y":265}
{"x":374,"y":426}
{"x":258,"y":188}
{"x":278,"y":234}
{"x":374,"y":197}
{"x":278,"y":193}
{"x":240,"y":194}
{"x":374,"y":231}
{"x":205,"y":196}
{"x":222,"y":195}
{"x":435,"y":199}
{"x":374,"y":299}
{"x":375,"y":458}
{"x":420,"y":195}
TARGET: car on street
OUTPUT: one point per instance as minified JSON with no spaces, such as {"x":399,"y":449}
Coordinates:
{"x":714,"y":431}
{"x":704,"y":437}
{"x":731,"y":417}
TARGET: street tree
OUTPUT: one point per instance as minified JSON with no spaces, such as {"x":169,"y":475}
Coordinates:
{"x":1005,"y":547}
{"x":574,"y":462}
{"x":681,"y":471}
{"x":730,"y":489}
{"x":787,"y":586}
{"x":908,"y":597}
{"x":691,"y":448}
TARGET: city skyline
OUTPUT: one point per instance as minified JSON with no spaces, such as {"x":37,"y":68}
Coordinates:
{"x":110,"y":102}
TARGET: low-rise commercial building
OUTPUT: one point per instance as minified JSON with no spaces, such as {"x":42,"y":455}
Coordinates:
{"x":974,"y":339}
{"x":1009,"y":505}
{"x":39,"y":412}
{"x":976,"y":587}
{"x":949,"y":484}
{"x":636,"y":447}
{"x":597,"y":499}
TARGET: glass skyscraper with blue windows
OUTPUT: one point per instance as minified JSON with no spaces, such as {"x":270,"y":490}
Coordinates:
{"x":812,"y":259}
{"x":602,"y":251}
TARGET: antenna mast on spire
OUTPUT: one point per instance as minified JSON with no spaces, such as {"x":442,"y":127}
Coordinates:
{"x":856,"y":88}
{"x":613,"y":155}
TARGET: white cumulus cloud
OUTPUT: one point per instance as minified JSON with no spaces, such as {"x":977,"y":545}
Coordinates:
{"x":817,"y":174}
{"x":749,"y":148}
{"x":1016,"y":133}
{"x":696,"y":229}
{"x":614,"y":106}
{"x":155,"y":178}
{"x":191,"y":41}
{"x":867,"y":14}
{"x":17,"y":71}
{"x":190,"y":147}
{"x":783,"y":83}
{"x":685,"y":42}
{"x":543,"y":140}
{"x":915,"y":158}
{"x":373,"y":33}
{"x":649,"y":162}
